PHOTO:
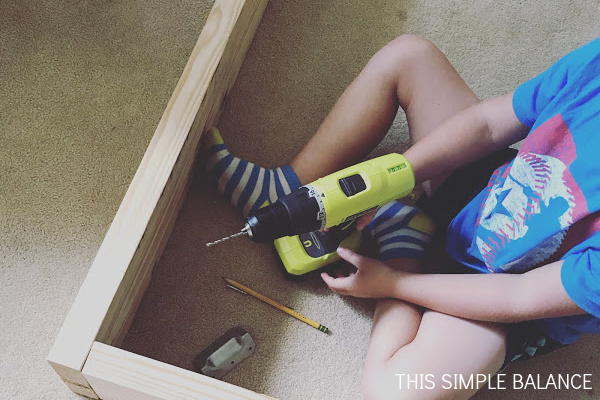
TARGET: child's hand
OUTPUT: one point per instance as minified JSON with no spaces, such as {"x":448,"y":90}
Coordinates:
{"x":373,"y":279}
{"x":365,"y":220}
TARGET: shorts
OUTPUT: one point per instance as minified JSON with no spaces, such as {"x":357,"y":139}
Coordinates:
{"x":524,"y":339}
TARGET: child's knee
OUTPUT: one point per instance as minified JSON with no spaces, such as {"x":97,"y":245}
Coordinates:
{"x":409,"y":50}
{"x":401,"y":60}
{"x":412,"y":44}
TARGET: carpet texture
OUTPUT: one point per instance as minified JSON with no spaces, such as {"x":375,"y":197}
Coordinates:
{"x":83,"y":87}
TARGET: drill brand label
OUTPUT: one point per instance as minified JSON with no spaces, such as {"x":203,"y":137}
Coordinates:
{"x":397,"y":168}
{"x":321,"y":215}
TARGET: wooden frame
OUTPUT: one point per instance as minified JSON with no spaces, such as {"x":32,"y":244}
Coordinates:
{"x":85,"y":353}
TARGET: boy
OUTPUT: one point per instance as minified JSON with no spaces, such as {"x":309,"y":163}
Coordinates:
{"x":535,"y":218}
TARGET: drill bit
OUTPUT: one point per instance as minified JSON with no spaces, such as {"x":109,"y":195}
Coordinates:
{"x":243,"y":232}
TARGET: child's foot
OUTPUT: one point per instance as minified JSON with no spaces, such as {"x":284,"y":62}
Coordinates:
{"x":246,"y":185}
{"x":400,"y":231}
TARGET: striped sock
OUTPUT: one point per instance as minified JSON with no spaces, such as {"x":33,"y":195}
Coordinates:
{"x":246,"y":185}
{"x":400,"y":231}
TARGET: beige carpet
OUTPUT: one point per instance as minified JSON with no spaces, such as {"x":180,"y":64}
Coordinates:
{"x":83,"y":86}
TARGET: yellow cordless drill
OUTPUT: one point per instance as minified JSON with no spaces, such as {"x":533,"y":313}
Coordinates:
{"x":295,"y":221}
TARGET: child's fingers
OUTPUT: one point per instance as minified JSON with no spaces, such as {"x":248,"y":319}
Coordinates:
{"x":328,"y":279}
{"x":364,"y":220}
{"x":353,"y":258}
{"x":338,"y":285}
{"x":340,"y":269}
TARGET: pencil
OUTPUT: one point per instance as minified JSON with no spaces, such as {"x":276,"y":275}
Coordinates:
{"x":275,"y":304}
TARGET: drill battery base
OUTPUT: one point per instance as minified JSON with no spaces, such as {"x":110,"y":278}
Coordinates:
{"x":303,"y":254}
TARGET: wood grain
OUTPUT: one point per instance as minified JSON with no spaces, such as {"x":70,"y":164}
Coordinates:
{"x":118,"y":374}
{"x":121,"y":271}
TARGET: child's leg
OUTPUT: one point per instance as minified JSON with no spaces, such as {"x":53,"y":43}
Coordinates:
{"x":412,"y":355}
{"x":397,"y":231}
{"x":427,"y":349}
{"x":245,"y":185}
{"x":444,"y":350}
{"x":355,"y":125}
{"x":409,"y":72}
{"x":430,"y":91}
{"x":358,"y":121}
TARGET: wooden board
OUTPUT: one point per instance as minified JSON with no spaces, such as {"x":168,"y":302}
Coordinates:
{"x":121,"y":271}
{"x":118,"y":374}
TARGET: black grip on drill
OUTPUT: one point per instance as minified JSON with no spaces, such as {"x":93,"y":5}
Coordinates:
{"x":290,"y":215}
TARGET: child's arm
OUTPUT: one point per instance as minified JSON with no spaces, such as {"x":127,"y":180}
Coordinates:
{"x":466,"y":137}
{"x":485,"y":297}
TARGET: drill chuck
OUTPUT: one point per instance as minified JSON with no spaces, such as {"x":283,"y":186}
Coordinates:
{"x":292,"y":214}
{"x":334,"y":199}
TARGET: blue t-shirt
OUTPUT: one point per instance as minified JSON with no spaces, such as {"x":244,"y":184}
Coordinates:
{"x":545,"y":204}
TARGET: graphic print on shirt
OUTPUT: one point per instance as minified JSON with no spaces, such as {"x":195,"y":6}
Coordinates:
{"x":530,"y":204}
